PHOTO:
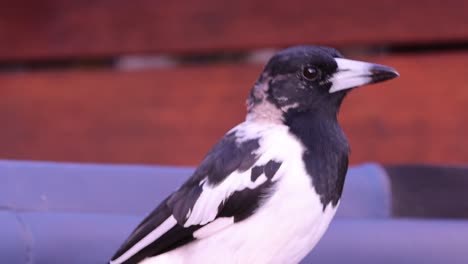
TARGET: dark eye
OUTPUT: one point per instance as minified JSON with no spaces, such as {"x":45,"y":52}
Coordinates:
{"x":311,"y":73}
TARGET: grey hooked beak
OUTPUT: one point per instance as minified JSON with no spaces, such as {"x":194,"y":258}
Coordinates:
{"x":351,"y":74}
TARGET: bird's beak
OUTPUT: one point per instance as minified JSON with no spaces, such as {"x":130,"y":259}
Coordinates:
{"x":351,"y":73}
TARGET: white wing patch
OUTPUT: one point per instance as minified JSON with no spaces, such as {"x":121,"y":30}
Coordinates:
{"x":213,"y":227}
{"x":148,"y":239}
{"x":206,"y":206}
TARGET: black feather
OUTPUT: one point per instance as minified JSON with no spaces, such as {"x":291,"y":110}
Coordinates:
{"x":226,"y":157}
{"x":326,"y":155}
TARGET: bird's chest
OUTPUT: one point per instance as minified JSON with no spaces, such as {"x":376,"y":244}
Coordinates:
{"x":296,"y":199}
{"x":291,"y":222}
{"x":295,"y":188}
{"x":292,"y":219}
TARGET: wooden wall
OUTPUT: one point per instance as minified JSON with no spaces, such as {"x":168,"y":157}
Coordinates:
{"x":173,"y":114}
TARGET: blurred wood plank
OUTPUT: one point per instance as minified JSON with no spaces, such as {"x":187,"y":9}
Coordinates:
{"x":162,"y":116}
{"x":71,"y":28}
{"x":173,"y":116}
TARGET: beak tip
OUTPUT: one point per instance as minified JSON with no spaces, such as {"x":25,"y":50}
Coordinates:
{"x":382,"y":73}
{"x":397,"y":74}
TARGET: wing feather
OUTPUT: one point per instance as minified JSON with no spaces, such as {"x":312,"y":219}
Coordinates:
{"x":221,"y":191}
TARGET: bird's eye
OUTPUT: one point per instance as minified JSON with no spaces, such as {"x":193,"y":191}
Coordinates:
{"x":311,"y":73}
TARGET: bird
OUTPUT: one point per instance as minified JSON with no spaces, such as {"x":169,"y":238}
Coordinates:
{"x":267,"y":191}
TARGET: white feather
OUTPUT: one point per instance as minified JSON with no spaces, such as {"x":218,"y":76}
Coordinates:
{"x":207,"y":204}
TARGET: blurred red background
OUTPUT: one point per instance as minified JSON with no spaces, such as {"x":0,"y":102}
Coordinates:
{"x":161,"y":81}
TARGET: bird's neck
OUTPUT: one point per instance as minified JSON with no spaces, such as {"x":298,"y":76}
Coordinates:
{"x":264,"y":112}
{"x":326,"y":151}
{"x":316,"y":127}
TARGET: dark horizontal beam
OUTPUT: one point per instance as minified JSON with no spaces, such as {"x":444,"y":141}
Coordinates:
{"x":71,"y":28}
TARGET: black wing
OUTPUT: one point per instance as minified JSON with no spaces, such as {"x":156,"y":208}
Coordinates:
{"x":174,"y":221}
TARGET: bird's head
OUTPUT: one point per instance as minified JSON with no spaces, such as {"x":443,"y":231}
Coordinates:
{"x":309,"y":79}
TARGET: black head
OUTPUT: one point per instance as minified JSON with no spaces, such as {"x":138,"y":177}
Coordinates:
{"x":311,"y":78}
